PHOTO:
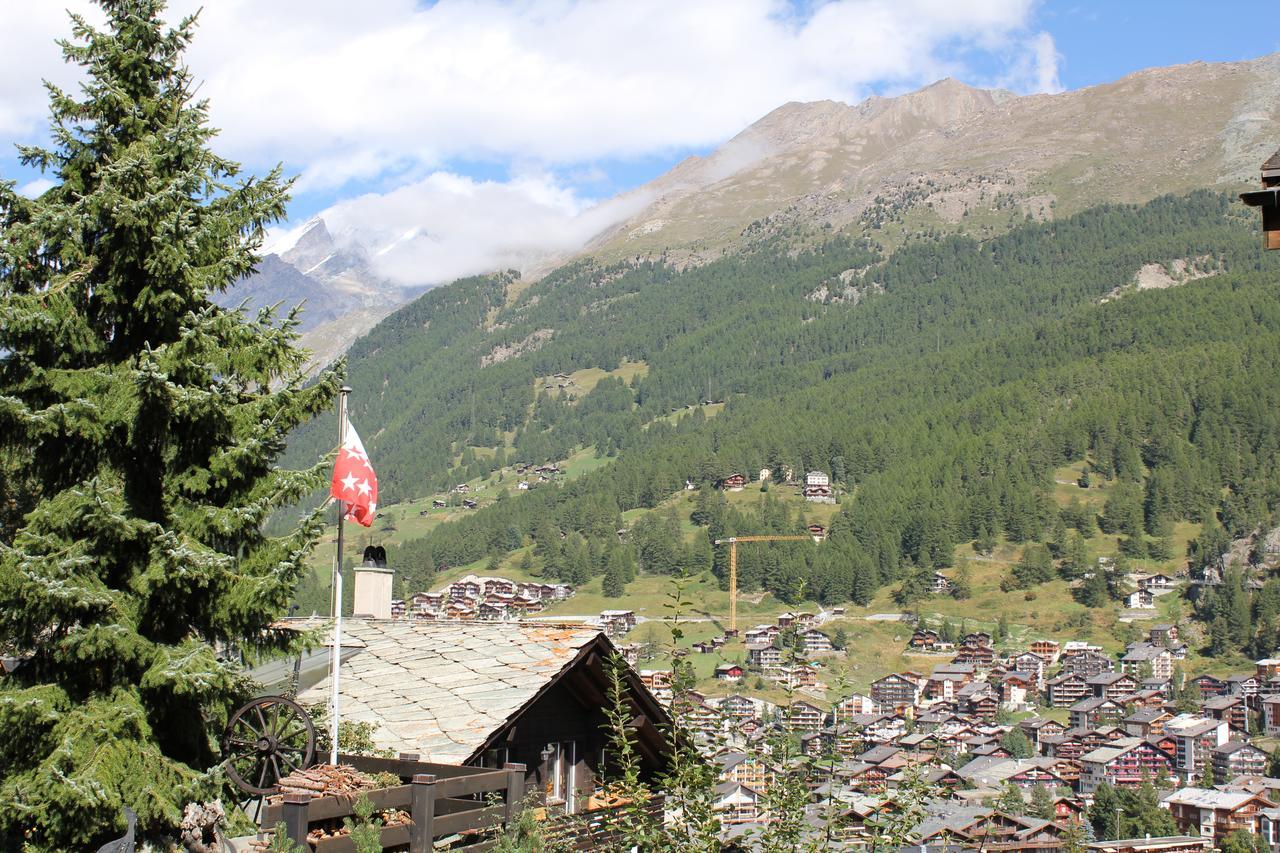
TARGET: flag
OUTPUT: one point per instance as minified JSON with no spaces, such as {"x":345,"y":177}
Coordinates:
{"x":354,"y":480}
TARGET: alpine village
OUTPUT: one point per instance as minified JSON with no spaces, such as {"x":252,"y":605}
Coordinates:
{"x":896,"y":476}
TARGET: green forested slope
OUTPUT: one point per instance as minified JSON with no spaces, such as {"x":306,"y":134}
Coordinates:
{"x":943,"y":400}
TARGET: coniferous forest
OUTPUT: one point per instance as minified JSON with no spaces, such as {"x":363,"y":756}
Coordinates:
{"x":943,"y":399}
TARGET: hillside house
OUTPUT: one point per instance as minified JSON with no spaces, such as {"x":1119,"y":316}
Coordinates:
{"x":482,"y":694}
{"x":1238,"y":758}
{"x":1146,"y":722}
{"x":818,"y":532}
{"x":1196,"y":738}
{"x":736,"y":803}
{"x":811,"y":641}
{"x":1140,"y":599}
{"x":855,"y":703}
{"x":1032,"y":663}
{"x":733,"y":483}
{"x":1140,"y":656}
{"x":1095,"y":713}
{"x":739,"y":707}
{"x":1271,"y":715}
{"x":730,"y":672}
{"x":939,"y":584}
{"x":1111,"y":685}
{"x":1232,"y":710}
{"x":1216,"y":814}
{"x":817,"y":488}
{"x":1124,"y":763}
{"x":1164,"y":634}
{"x":1086,"y":663}
{"x":1048,"y":650}
{"x":1210,"y":685}
{"x":1158,"y":583}
{"x":802,"y":716}
{"x":925,"y":638}
{"x":1242,"y":684}
{"x":764,"y":656}
{"x":617,"y":622}
{"x":896,"y":691}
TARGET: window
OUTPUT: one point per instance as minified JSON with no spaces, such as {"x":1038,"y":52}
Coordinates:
{"x":560,"y":774}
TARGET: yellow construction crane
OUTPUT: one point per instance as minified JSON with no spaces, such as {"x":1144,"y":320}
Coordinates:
{"x":732,"y":542}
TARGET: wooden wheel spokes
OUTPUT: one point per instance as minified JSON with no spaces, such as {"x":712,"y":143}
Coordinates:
{"x":265,"y":740}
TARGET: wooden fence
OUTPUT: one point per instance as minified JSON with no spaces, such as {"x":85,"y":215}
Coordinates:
{"x":447,"y":801}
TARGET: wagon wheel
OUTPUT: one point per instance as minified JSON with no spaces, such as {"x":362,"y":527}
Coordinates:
{"x":266,"y":739}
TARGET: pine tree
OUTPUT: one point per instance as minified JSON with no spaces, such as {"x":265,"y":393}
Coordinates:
{"x":614,"y":583}
{"x":140,"y":430}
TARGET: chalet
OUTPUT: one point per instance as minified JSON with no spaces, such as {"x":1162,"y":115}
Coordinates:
{"x":742,"y":768}
{"x":786,"y":620}
{"x":817,"y":488}
{"x":802,"y":717}
{"x":467,"y":503}
{"x":1124,"y":763}
{"x":812,"y":640}
{"x":1242,"y":685}
{"x":765,"y":656}
{"x":736,"y":803}
{"x":1048,"y":650}
{"x":1023,"y":773}
{"x":939,"y":584}
{"x":733,"y":483}
{"x":1163,"y":634}
{"x":855,"y":703}
{"x":800,"y":675}
{"x":1142,"y":656}
{"x":461,"y":489}
{"x":738,"y":707}
{"x":1032,"y":663}
{"x":1268,"y":668}
{"x":1196,"y":738}
{"x":896,"y":691}
{"x":1036,"y":728}
{"x":818,"y":532}
{"x":437,"y":503}
{"x":1271,"y":715}
{"x":1232,"y":710}
{"x":1111,"y":685}
{"x":730,"y":672}
{"x":1065,"y":690}
{"x":976,"y":638}
{"x":761,"y":634}
{"x":1210,"y":685}
{"x":617,"y":622}
{"x":1146,"y":722}
{"x":924,"y":638}
{"x":481,"y":694}
{"x":1216,"y":814}
{"x":979,"y":655}
{"x":1158,"y":583}
{"x":1086,"y":663}
{"x":1238,"y":758}
{"x":1096,"y":712}
{"x":1015,"y":688}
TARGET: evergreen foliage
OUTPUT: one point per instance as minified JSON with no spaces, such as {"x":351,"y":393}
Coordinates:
{"x":139,"y":429}
{"x":947,"y":444}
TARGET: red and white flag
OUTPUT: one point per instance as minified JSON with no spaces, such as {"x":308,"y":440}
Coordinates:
{"x":354,"y":481}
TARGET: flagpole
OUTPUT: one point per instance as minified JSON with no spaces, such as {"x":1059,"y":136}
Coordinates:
{"x":336,"y":586}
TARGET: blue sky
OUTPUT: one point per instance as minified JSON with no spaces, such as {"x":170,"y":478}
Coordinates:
{"x":484,"y":132}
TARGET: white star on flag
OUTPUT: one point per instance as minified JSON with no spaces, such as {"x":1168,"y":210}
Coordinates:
{"x":354,"y":481}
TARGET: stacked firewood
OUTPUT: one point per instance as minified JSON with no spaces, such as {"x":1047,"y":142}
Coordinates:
{"x":327,"y":780}
{"x":324,"y":780}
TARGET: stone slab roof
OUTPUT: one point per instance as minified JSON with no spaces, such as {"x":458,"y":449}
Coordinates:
{"x":441,"y":688}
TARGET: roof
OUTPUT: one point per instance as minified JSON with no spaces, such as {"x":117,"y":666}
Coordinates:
{"x":1206,"y":799}
{"x":1273,"y":162}
{"x":442,"y":688}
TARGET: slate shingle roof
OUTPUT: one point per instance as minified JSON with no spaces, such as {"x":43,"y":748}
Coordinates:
{"x":441,"y":688}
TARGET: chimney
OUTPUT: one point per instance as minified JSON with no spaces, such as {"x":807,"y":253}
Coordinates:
{"x":373,"y":585}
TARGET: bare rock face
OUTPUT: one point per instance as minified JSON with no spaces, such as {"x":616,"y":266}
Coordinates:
{"x":952,"y":157}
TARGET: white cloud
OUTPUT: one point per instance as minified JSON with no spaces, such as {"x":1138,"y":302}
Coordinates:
{"x":32,"y":189}
{"x":346,"y":91}
{"x":446,"y":225}
{"x":395,"y":94}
